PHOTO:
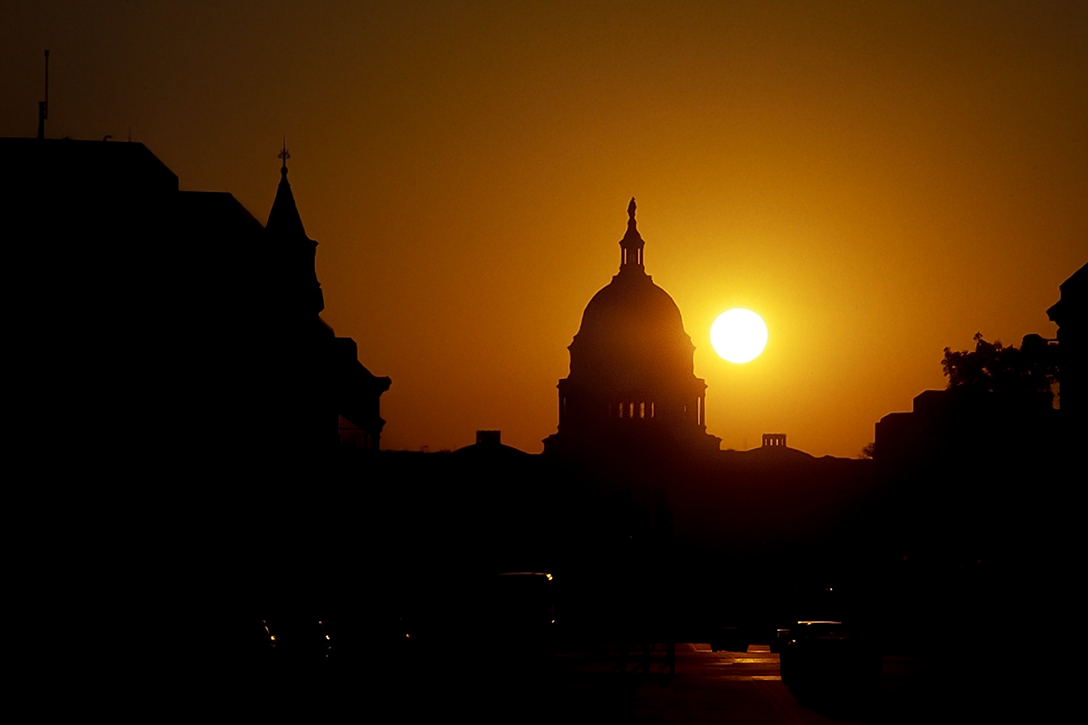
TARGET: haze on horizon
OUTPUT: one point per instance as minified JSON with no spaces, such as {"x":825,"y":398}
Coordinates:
{"x":876,"y":181}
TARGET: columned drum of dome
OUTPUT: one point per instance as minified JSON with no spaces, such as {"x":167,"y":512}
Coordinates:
{"x":632,"y":384}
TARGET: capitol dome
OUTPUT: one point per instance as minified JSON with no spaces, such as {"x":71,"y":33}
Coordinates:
{"x":631,"y":376}
{"x":631,"y":329}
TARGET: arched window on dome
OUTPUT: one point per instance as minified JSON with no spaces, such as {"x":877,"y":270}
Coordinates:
{"x":630,"y":410}
{"x":642,"y":410}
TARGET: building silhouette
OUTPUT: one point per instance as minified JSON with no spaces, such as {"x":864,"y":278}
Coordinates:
{"x":774,"y":440}
{"x":967,"y":423}
{"x":169,"y":328}
{"x":327,"y":396}
{"x":963,"y":426}
{"x":1070,"y":314}
{"x":631,"y":388}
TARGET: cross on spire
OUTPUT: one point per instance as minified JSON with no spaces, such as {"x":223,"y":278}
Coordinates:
{"x":284,"y":155}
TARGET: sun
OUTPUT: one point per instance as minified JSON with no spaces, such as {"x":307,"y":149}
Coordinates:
{"x":738,"y":335}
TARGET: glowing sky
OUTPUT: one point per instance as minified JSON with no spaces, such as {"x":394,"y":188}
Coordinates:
{"x":876,"y":180}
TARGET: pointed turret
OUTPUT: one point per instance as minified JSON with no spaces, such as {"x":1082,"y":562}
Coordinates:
{"x":284,"y":220}
{"x":297,"y":252}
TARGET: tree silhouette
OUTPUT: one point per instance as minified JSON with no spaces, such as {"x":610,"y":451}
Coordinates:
{"x":1026,"y":372}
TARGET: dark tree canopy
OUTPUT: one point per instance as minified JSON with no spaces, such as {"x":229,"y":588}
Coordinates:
{"x":1028,"y":371}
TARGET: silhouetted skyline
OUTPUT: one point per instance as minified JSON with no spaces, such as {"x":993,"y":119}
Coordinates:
{"x":878,"y":183}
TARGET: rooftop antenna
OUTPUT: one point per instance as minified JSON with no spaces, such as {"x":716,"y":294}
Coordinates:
{"x":43,"y":106}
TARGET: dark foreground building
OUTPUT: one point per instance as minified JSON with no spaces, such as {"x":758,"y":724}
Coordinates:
{"x":178,"y":404}
{"x":326,"y":389}
{"x":1070,"y":314}
{"x":976,"y":488}
{"x":164,"y":328}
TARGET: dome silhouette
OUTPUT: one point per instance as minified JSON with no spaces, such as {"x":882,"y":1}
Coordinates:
{"x":622,"y":325}
{"x":632,"y":381}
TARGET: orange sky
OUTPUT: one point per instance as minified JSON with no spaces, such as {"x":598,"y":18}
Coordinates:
{"x":877,"y":180}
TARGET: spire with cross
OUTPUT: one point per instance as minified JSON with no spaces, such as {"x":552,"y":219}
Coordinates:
{"x":284,"y":155}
